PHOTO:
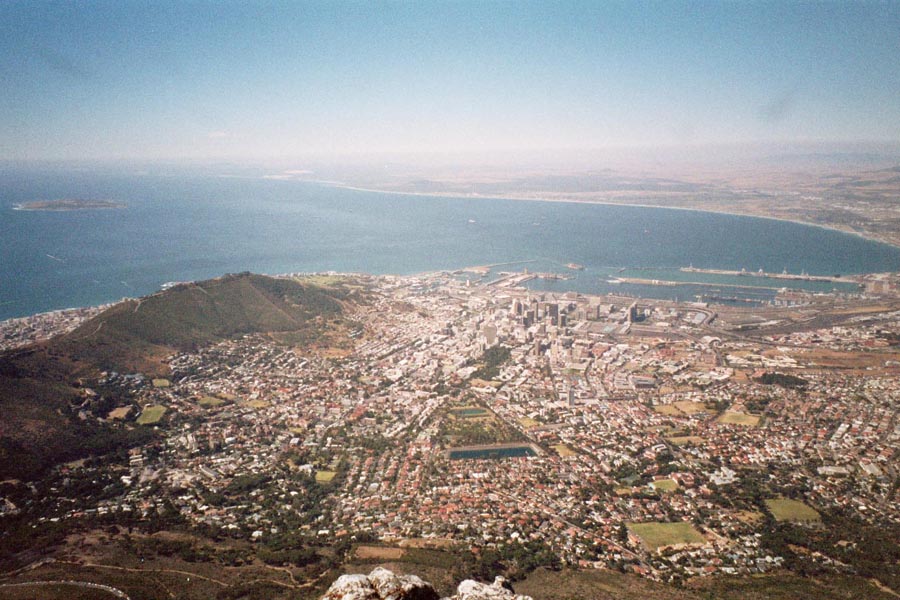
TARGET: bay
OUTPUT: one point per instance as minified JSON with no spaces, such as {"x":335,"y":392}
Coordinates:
{"x":181,"y":225}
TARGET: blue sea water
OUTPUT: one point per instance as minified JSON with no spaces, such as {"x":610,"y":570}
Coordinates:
{"x":181,"y":225}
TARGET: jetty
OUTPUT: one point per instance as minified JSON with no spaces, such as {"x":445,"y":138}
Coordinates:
{"x":764,"y":274}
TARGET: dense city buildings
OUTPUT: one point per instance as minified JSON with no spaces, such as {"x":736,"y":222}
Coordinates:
{"x":668,"y":439}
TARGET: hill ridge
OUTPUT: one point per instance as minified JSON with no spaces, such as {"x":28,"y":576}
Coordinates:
{"x":40,"y":385}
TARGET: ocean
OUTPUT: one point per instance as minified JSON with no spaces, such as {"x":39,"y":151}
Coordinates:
{"x":184,"y":225}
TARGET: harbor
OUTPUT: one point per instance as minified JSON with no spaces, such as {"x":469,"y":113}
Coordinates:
{"x":760,"y":273}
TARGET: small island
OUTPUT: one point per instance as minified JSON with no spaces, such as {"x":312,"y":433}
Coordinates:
{"x":68,"y":204}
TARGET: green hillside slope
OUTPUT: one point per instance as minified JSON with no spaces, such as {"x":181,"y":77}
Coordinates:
{"x":39,"y":386}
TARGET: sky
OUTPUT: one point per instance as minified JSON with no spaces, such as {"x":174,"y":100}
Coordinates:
{"x":260,"y":80}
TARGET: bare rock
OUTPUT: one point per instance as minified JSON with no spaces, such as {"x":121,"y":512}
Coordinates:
{"x":351,"y":587}
{"x":499,"y":590}
{"x":401,"y":587}
{"x":380,"y":584}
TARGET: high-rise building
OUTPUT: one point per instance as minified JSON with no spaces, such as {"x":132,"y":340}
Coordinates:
{"x":490,"y":334}
{"x":633,"y":313}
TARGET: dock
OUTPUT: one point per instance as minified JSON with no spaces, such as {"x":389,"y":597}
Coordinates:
{"x":783,"y":275}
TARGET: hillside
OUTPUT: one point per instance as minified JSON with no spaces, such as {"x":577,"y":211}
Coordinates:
{"x":40,"y":386}
{"x":133,"y":335}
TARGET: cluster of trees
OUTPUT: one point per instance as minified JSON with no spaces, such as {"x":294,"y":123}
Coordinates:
{"x":869,"y":551}
{"x":248,"y":482}
{"x":758,"y":405}
{"x":490,"y":362}
{"x":298,"y":556}
{"x":514,"y":560}
{"x":783,"y":380}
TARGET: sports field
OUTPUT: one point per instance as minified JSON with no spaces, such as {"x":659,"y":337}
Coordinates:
{"x":151,"y":415}
{"x":325,"y":476}
{"x":564,"y":450}
{"x":656,"y":535}
{"x":736,"y":418}
{"x":683,"y":440}
{"x":785,"y":509}
{"x":666,"y":485}
{"x":690,"y":408}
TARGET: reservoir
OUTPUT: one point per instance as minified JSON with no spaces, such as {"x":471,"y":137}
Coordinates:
{"x":493,"y":451}
{"x":181,"y":225}
{"x":469,"y":412}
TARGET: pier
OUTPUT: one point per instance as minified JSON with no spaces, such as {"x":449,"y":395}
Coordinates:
{"x":763,"y":274}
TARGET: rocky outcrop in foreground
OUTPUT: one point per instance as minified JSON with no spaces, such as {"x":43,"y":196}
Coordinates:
{"x":382,"y":584}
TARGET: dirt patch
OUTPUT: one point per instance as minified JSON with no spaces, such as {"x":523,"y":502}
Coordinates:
{"x":379,"y":552}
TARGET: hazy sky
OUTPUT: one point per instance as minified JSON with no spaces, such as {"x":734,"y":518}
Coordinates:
{"x":253,"y":80}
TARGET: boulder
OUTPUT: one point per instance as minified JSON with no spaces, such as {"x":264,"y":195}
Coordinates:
{"x":380,"y":584}
{"x":351,"y":587}
{"x":499,"y":590}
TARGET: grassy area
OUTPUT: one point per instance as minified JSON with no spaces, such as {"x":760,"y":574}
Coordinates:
{"x":325,"y":476}
{"x":690,"y":408}
{"x":474,"y":429}
{"x":323,"y":280}
{"x":528,"y":422}
{"x":150,"y":567}
{"x":564,"y":450}
{"x":151,"y":415}
{"x":749,"y":516}
{"x":680,"y":409}
{"x":191,"y":315}
{"x":162,"y":383}
{"x":784,"y":586}
{"x":785,"y":509}
{"x":210,"y":402}
{"x":596,"y":584}
{"x":683,"y":440}
{"x":256,"y":403}
{"x":657,"y":535}
{"x":666,"y":485}
{"x":736,"y":418}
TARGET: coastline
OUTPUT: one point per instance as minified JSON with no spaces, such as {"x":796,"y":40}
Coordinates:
{"x":859,"y":234}
{"x":457,"y":197}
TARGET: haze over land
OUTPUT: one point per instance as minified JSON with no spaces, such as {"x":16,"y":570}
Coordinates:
{"x":781,"y":109}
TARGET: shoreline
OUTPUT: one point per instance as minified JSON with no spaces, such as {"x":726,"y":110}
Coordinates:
{"x":865,"y":236}
{"x":340,"y":185}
